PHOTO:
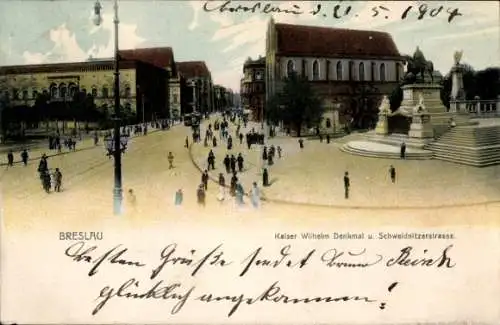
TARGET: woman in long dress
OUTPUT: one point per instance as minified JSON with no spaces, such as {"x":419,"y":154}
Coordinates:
{"x":255,"y":195}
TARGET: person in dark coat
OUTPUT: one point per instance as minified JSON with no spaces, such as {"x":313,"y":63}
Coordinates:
{"x":200,"y":194}
{"x":234,"y":181}
{"x":403,"y":151}
{"x":204,"y":179}
{"x":240,"y":162}
{"x":241,"y":138}
{"x":46,"y":181}
{"x":327,"y":138}
{"x":24,"y":157}
{"x":347,"y":185}
{"x":57,"y":180}
{"x":214,"y":141}
{"x":270,"y":159}
{"x":233,"y":163}
{"x":264,"y":153}
{"x":229,"y":143}
{"x":10,"y":159}
{"x":392,"y":174}
{"x":222,"y":180}
{"x":227,"y":163}
{"x":301,"y":143}
{"x":265,"y":178}
{"x":320,"y":137}
{"x":187,"y":142}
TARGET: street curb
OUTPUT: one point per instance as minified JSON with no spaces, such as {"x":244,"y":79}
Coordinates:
{"x":350,"y":207}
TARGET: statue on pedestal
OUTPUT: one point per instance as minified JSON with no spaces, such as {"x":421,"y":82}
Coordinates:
{"x":421,"y":126}
{"x":457,"y":56}
{"x":418,"y":67}
{"x":384,"y":110}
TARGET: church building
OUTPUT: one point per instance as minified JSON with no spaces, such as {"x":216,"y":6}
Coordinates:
{"x":349,"y":70}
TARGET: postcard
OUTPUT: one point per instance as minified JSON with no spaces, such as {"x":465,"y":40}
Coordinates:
{"x":249,"y":162}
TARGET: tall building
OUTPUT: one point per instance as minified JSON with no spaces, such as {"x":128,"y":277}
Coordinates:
{"x":253,"y":88}
{"x":144,"y":82}
{"x":348,"y":69}
{"x":197,"y":88}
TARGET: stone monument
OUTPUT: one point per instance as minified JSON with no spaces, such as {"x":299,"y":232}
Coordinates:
{"x":457,"y":96}
{"x":421,"y":127}
{"x":384,"y":111}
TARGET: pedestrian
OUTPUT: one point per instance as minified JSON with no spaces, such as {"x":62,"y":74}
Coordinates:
{"x":347,"y":185}
{"x":96,"y":139}
{"x":403,"y":151}
{"x":241,"y":138}
{"x":265,"y":178}
{"x":222,"y":180}
{"x":233,"y":164}
{"x":57,"y":180}
{"x":214,"y":141}
{"x":240,"y":162}
{"x":10,"y":159}
{"x":392,"y":174}
{"x":170,"y":160}
{"x":200,"y":195}
{"x":46,"y":181}
{"x":211,"y":160}
{"x":255,"y":195}
{"x":264,"y":153}
{"x":239,"y":194}
{"x":132,"y":200}
{"x":227,"y":163}
{"x":279,"y":151}
{"x":320,"y":138}
{"x":221,"y":196}
{"x":186,"y":142}
{"x":301,"y":143}
{"x":24,"y":157}
{"x":204,"y":179}
{"x":327,"y":138}
{"x":270,"y":159}
{"x":234,"y":181}
{"x":179,"y":196}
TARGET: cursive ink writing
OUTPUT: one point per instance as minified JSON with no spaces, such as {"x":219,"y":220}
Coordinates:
{"x":284,"y":259}
{"x":257,"y":7}
{"x":273,"y":294}
{"x":332,"y":258}
{"x":406,"y":259}
{"x":80,"y":253}
{"x":214,"y":258}
{"x":157,"y":291}
{"x":423,"y":11}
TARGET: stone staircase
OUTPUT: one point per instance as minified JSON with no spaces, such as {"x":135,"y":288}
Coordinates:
{"x":473,"y":145}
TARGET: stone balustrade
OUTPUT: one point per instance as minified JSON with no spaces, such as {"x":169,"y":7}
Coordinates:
{"x":480,"y":108}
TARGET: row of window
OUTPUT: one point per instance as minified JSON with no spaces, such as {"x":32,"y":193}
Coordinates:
{"x":61,"y":91}
{"x":340,"y":71}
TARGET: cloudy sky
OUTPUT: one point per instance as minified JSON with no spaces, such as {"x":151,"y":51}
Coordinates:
{"x":44,"y":31}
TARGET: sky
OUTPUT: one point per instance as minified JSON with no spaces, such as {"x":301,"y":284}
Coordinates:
{"x":50,"y":31}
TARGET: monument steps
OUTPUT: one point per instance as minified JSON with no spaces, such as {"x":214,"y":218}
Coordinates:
{"x":387,"y":155}
{"x":477,"y":146}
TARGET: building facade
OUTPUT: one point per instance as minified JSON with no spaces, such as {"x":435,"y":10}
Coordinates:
{"x":144,"y":82}
{"x":196,"y":88}
{"x":349,"y":70}
{"x":253,"y":87}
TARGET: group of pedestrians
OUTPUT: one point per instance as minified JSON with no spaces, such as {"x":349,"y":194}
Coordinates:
{"x":47,"y":178}
{"x":24,"y":158}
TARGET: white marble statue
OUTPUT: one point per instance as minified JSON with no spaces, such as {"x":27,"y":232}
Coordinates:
{"x":420,"y":107}
{"x":385,"y":105}
{"x":457,"y":56}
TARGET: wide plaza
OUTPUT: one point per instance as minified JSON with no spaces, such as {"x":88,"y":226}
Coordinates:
{"x":306,"y":185}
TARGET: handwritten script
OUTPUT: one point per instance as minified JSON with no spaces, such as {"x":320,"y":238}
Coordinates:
{"x":334,"y":10}
{"x":156,"y":285}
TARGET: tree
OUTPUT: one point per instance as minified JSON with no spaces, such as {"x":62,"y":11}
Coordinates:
{"x":363,"y":106}
{"x":297,"y":105}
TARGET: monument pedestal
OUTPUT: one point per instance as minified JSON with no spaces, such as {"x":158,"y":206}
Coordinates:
{"x":382,"y":127}
{"x":421,"y":127}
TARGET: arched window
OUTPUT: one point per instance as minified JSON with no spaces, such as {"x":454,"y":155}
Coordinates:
{"x":340,"y":70}
{"x":34,"y":94}
{"x":315,"y":70}
{"x":327,"y":70}
{"x":53,"y":91}
{"x":127,"y":91}
{"x":25,"y":94}
{"x":94,"y":92}
{"x":372,"y":72}
{"x":105,"y":92}
{"x":361,"y":71}
{"x":304,"y":69}
{"x":62,"y":90}
{"x":382,"y":72}
{"x":398,"y":71}
{"x":328,"y":123}
{"x":72,"y":89}
{"x":290,"y":69}
{"x":352,"y":71}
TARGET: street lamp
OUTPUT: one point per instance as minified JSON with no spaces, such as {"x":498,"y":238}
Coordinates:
{"x":116,"y":143}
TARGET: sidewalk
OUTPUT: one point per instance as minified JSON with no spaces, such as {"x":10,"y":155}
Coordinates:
{"x":41,"y":148}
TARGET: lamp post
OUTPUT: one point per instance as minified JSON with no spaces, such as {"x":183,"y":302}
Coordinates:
{"x":117,"y":151}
